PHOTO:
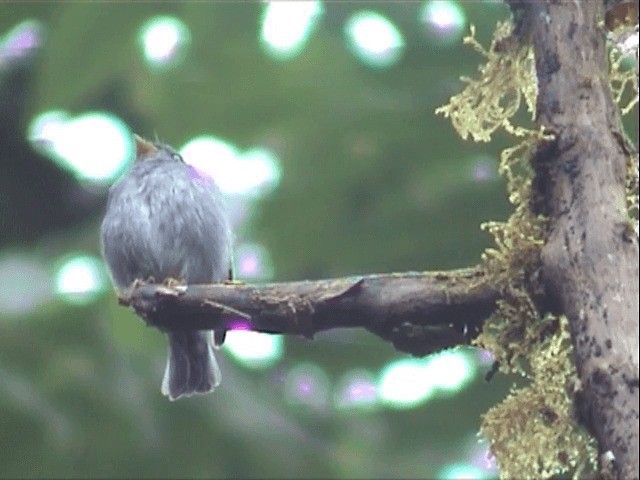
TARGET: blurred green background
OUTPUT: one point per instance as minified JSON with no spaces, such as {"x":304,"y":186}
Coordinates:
{"x":317,"y":119}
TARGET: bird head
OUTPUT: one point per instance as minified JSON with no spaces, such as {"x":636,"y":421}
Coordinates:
{"x":146,"y":149}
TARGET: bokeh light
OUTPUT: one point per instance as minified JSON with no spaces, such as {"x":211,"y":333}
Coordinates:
{"x":213,"y":156}
{"x":444,"y":21}
{"x":461,"y":471}
{"x":253,"y":173}
{"x":26,"y":284}
{"x":450,"y":370}
{"x":407,"y":383}
{"x":356,"y":390}
{"x":20,"y":41}
{"x":253,"y":262}
{"x":483,"y":459}
{"x":485,"y":357}
{"x":484,"y":168}
{"x":261,"y":171}
{"x":307,"y":384}
{"x":80,"y":279}
{"x":287,"y":25}
{"x":164,"y":41}
{"x":374,"y":39}
{"x":94,"y":146}
{"x":254,"y":349}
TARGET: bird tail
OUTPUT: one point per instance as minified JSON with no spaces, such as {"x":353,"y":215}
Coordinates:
{"x":191,"y":366}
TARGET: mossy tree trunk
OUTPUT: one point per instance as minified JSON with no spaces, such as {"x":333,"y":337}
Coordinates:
{"x":590,"y":259}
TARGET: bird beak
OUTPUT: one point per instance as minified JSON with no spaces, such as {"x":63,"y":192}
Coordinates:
{"x":143,"y":147}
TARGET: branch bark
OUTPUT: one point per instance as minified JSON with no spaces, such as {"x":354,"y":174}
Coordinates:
{"x":590,"y":260}
{"x":419,"y":313}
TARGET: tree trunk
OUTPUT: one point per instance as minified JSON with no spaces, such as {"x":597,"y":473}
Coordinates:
{"x":590,"y":260}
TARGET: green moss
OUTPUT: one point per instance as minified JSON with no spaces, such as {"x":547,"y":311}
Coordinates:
{"x":623,"y":70}
{"x":623,"y":78}
{"x":513,"y":265}
{"x":533,"y":433}
{"x":506,"y":79}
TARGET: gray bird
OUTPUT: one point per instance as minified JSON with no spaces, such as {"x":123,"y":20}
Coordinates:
{"x":165,"y":219}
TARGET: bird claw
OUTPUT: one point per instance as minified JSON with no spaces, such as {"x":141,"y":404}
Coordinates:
{"x":174,"y":282}
{"x":138,"y":282}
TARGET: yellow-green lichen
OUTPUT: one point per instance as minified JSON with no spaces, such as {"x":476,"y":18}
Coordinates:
{"x":533,"y":433}
{"x":513,"y":265}
{"x":481,"y":108}
{"x":623,"y":67}
{"x":623,"y":79}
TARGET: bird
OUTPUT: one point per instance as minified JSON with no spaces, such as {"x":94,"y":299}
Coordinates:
{"x":165,"y":220}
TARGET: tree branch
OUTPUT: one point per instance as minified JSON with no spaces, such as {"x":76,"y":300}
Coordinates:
{"x":418,"y":312}
{"x":590,"y":260}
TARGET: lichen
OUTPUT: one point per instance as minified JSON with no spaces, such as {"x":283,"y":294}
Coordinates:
{"x":481,"y":108}
{"x":631,"y":188}
{"x":533,"y":433}
{"x":623,"y":67}
{"x":623,"y":79}
{"x":513,"y":265}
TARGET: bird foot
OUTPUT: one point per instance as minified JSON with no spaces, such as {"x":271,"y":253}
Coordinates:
{"x":138,"y":282}
{"x":174,"y":282}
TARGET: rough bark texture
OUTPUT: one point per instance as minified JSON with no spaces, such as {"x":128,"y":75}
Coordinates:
{"x":590,"y":261}
{"x":419,"y":313}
